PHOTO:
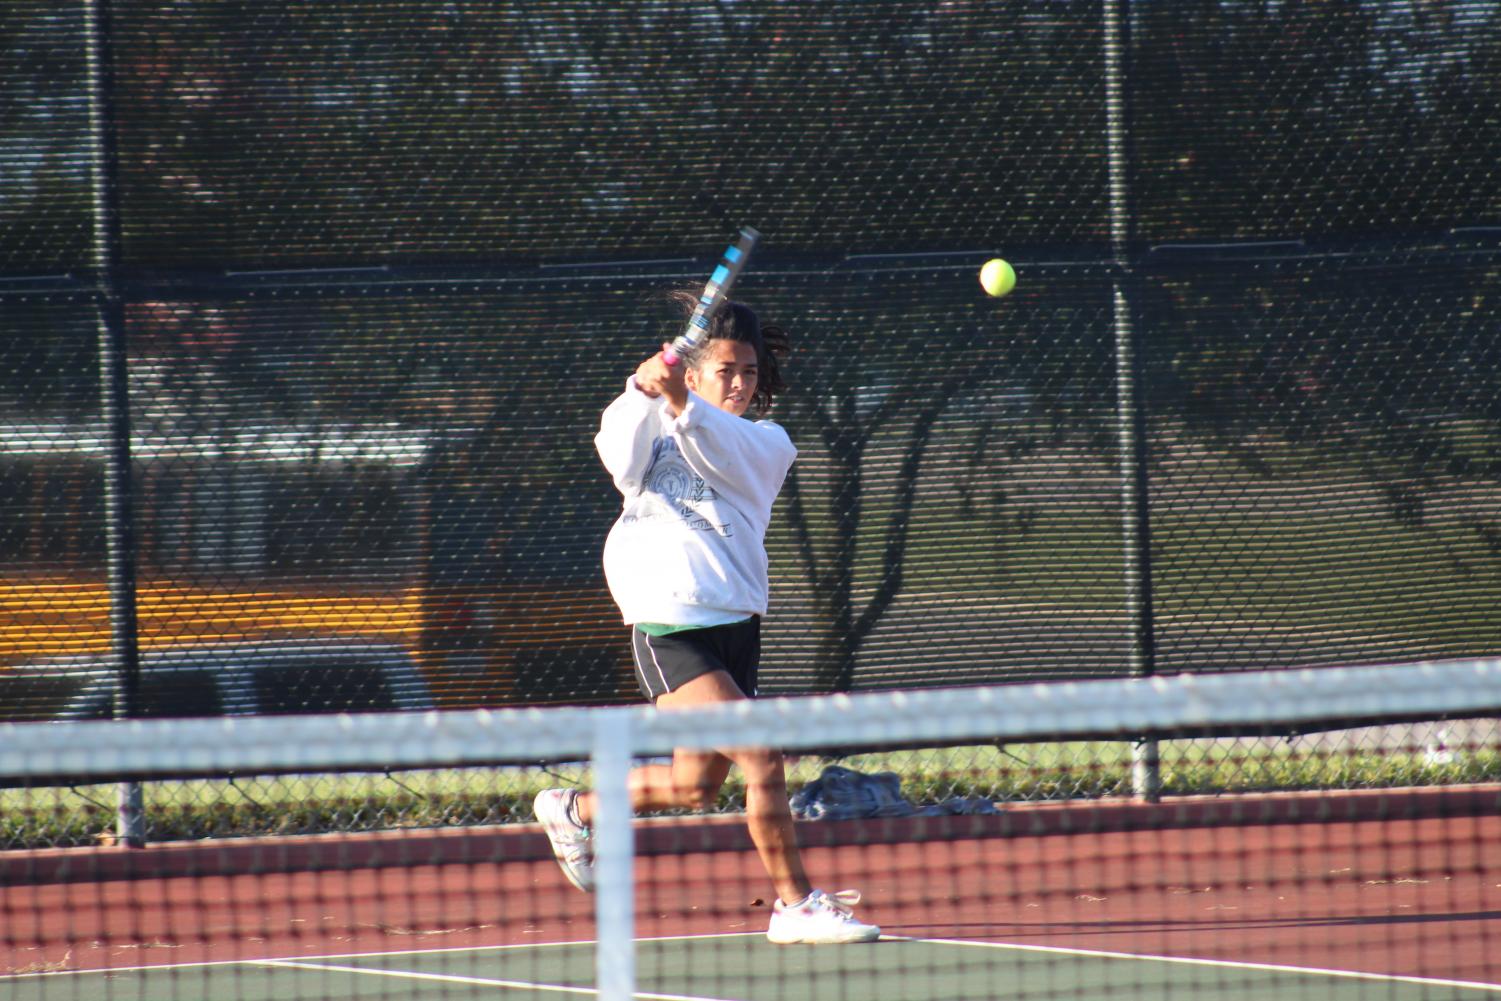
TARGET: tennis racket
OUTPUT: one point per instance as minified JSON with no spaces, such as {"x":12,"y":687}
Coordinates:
{"x":715,"y":293}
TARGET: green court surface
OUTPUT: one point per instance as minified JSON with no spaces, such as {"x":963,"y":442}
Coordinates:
{"x":742,"y":968}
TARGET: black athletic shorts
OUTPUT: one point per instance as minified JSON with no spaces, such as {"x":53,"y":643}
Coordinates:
{"x":665,"y":663}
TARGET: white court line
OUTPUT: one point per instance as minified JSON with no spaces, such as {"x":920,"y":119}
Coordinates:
{"x":319,"y":963}
{"x":198,"y":964}
{"x":1312,"y":971}
{"x":449,"y":978}
{"x":445,"y":950}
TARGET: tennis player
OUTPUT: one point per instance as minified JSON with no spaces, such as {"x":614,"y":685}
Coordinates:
{"x":686,"y":562}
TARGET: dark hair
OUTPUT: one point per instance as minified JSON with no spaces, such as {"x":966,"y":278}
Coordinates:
{"x":735,"y":321}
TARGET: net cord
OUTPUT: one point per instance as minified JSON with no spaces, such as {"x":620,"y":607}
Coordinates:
{"x":1293,"y":699}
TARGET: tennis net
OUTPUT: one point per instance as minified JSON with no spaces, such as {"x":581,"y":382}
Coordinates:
{"x":1392,"y":890}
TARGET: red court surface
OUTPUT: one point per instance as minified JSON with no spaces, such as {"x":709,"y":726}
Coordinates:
{"x":1418,"y":897}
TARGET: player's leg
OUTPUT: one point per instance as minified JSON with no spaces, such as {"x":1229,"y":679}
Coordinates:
{"x":697,"y":667}
{"x":695,"y":780}
{"x":691,"y":782}
{"x":769,"y":818}
{"x":802,"y":914}
{"x":663,"y":666}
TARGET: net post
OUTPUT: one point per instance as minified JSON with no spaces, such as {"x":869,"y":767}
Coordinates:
{"x":614,"y":856}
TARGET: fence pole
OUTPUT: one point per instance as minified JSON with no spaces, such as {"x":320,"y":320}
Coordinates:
{"x":114,"y":385}
{"x":1136,"y":524}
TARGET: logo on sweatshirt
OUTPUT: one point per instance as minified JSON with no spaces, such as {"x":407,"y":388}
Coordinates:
{"x":683,"y":493}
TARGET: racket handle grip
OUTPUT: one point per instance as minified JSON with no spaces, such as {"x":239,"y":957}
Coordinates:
{"x":698,"y":326}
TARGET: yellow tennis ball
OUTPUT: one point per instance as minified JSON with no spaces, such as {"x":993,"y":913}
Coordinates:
{"x":997,"y":277}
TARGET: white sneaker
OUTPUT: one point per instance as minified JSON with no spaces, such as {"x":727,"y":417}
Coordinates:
{"x":820,"y":919}
{"x":570,"y":839}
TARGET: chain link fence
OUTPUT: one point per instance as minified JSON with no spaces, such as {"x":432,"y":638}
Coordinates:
{"x":309,"y":314}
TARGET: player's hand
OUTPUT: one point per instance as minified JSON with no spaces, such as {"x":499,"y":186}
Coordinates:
{"x":655,"y":377}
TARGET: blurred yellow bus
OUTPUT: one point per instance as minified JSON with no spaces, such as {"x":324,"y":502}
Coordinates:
{"x":346,"y":535}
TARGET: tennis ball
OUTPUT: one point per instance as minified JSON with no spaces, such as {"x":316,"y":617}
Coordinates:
{"x":997,"y":277}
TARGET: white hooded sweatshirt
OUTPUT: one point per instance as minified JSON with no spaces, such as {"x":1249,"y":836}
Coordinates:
{"x":689,"y":547}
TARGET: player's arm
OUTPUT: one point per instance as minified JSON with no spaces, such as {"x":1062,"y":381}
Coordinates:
{"x":747,"y":460}
{"x":628,"y":431}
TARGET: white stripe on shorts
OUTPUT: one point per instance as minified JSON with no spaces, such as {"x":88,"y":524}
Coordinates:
{"x":636,"y":654}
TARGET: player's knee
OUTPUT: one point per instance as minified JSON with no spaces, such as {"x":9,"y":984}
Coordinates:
{"x":763,"y":767}
{"x":697,"y":797}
